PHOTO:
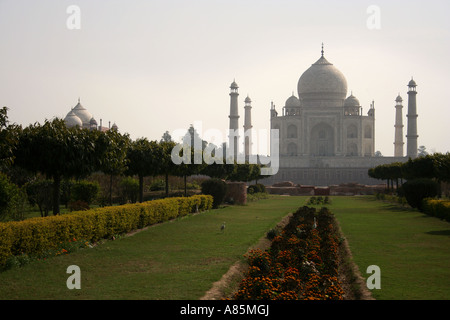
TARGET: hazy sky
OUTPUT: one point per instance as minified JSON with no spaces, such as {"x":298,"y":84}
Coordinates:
{"x":152,"y":66}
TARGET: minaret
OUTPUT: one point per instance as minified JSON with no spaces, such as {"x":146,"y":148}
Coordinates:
{"x":398,"y":142}
{"x":234,"y":119}
{"x":248,"y":127}
{"x":411,"y":136}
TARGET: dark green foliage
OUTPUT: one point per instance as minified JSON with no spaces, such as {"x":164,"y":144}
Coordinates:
{"x":40,"y":193}
{"x":256,"y":188}
{"x":6,"y":195}
{"x":85,"y":191}
{"x":8,"y":139}
{"x":59,"y":152}
{"x":129,"y":189}
{"x":418,"y":189}
{"x":216,"y":188}
{"x":145,"y":159}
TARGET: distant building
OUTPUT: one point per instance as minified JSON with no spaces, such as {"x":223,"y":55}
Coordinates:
{"x":80,"y":116}
{"x":324,"y":137}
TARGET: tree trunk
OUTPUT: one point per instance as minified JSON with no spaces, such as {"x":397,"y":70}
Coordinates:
{"x":141,"y":189}
{"x":56,"y":187}
{"x":167,"y":184}
{"x":110,"y":189}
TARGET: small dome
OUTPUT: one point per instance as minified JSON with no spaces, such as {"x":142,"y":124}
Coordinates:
{"x":72,"y":120}
{"x":114,"y":127}
{"x":412,"y":83}
{"x":234,"y":85}
{"x":292,"y":102}
{"x":399,"y":99}
{"x":93,"y":121}
{"x":351,"y":101}
{"x":82,"y":113}
{"x":248,"y":100}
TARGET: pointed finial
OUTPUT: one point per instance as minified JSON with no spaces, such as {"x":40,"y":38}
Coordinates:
{"x":322,"y":49}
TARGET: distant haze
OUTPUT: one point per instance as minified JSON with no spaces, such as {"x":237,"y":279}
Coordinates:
{"x":156,"y":66}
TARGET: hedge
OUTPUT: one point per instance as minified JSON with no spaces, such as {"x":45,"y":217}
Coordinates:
{"x":437,"y":208}
{"x":36,"y":235}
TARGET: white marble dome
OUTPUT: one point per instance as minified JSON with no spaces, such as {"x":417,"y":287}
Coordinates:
{"x":82,"y":113}
{"x":322,"y":81}
{"x":351,"y":101}
{"x":292,"y":102}
{"x":72,"y":120}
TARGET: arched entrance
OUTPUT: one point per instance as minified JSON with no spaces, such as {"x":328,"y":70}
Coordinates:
{"x":322,"y":140}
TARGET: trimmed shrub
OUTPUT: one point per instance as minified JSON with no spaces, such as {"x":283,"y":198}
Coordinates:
{"x":129,"y":188}
{"x":437,"y":208}
{"x":85,"y":191}
{"x":36,"y":236}
{"x":217,"y":189}
{"x":418,"y":189}
{"x":256,"y":188}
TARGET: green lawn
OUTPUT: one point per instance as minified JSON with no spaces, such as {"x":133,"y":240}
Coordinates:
{"x":173,"y":260}
{"x":183,"y":258}
{"x":411,"y":249}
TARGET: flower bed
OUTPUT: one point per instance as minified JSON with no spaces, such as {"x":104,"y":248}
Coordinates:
{"x":301,"y":264}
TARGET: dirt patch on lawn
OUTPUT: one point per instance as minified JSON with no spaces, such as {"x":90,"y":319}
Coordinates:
{"x":352,"y":282}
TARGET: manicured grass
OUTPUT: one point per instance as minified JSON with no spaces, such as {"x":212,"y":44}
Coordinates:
{"x":174,"y":260}
{"x":412,"y":249}
{"x":183,"y":258}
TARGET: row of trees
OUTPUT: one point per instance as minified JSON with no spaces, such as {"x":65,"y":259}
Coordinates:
{"x":431,"y":166}
{"x":425,"y":176}
{"x":59,"y":152}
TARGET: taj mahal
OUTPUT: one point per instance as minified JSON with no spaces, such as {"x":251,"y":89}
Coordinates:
{"x":79,"y":116}
{"x":324,"y":138}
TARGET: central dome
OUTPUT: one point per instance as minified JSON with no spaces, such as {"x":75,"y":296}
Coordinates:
{"x":82,"y":113}
{"x":322,"y":81}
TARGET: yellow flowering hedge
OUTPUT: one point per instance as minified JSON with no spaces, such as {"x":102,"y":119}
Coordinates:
{"x":37,"y":235}
{"x":437,"y":208}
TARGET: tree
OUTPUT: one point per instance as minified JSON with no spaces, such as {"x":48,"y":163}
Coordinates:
{"x":378,"y":154}
{"x":185,"y":169}
{"x":167,"y":167}
{"x":58,"y":152}
{"x":166,"y":137}
{"x":114,"y":161}
{"x":442,"y":166}
{"x":189,"y":142}
{"x":421,"y":151}
{"x":245,"y":172}
{"x":218,"y":170}
{"x":144,"y":159}
{"x":420,"y":167}
{"x":8,"y":139}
